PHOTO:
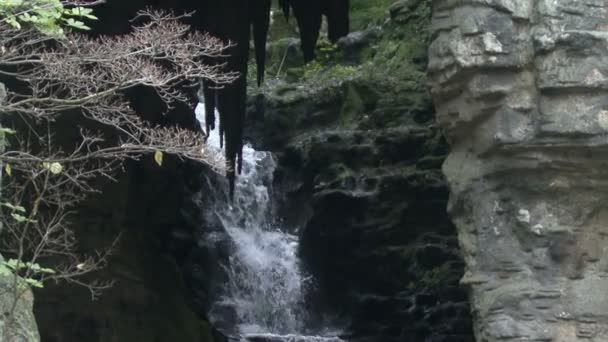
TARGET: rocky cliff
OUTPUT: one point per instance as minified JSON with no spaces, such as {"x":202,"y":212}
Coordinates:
{"x":146,"y":209}
{"x":520,"y":87}
{"x":360,"y":156}
{"x":150,"y":299}
{"x":360,"y":179}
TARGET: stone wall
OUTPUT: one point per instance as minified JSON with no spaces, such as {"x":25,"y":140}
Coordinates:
{"x":520,"y":90}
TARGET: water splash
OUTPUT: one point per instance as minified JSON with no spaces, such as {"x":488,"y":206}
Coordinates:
{"x":289,"y":338}
{"x":265,"y":288}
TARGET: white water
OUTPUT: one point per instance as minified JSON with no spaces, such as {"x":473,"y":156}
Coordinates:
{"x":266,"y":287}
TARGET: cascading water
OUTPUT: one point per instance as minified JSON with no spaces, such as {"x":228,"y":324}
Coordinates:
{"x":265,"y":285}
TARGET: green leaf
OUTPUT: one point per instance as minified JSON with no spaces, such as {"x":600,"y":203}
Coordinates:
{"x":14,"y":3}
{"x":5,"y":271}
{"x":158,"y":157}
{"x":34,"y":282}
{"x":13,"y":22}
{"x":77,"y":24}
{"x":14,"y":264}
{"x":13,"y":207}
{"x":5,"y":130}
{"x":27,"y":18}
{"x":39,"y":269}
{"x":82,"y":12}
{"x":55,"y":167}
{"x":19,"y":218}
{"x":47,"y":16}
{"x":8,"y":169}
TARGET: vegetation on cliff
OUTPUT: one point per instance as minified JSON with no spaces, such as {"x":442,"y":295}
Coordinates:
{"x":386,"y":55}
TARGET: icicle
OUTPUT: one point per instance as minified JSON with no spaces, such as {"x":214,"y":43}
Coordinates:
{"x":210,"y":98}
{"x":233,"y":20}
{"x":285,"y":6}
{"x":309,"y":14}
{"x":260,"y":20}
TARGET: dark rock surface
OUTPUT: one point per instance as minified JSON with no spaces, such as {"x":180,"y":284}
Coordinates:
{"x":150,"y":300}
{"x":360,"y":172}
{"x":150,"y":209}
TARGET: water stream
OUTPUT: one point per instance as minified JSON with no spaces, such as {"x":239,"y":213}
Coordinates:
{"x":265,"y":288}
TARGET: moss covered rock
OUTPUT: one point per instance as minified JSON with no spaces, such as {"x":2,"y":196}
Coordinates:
{"x":360,"y":167}
{"x":17,"y":322}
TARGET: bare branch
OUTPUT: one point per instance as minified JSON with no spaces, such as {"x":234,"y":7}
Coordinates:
{"x":90,"y":75}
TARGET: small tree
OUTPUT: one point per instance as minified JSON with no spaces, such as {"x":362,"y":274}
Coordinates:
{"x":51,"y":70}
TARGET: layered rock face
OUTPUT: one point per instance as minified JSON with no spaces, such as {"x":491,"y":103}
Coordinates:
{"x":519,"y":87}
{"x":359,"y":168}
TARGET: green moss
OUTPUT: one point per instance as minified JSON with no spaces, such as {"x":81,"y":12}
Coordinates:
{"x":436,"y":277}
{"x":380,"y":85}
{"x":281,"y":28}
{"x":352,"y":106}
{"x":364,"y":13}
{"x":433,"y":279}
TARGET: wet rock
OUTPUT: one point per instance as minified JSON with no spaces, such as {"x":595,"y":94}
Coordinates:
{"x":285,"y":53}
{"x":401,"y":11}
{"x":290,"y":338}
{"x":359,"y":172}
{"x":354,"y":43}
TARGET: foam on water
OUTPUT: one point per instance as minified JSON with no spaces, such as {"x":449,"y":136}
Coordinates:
{"x":288,"y":338}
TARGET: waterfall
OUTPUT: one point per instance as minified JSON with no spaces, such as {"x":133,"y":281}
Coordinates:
{"x":265,"y":288}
